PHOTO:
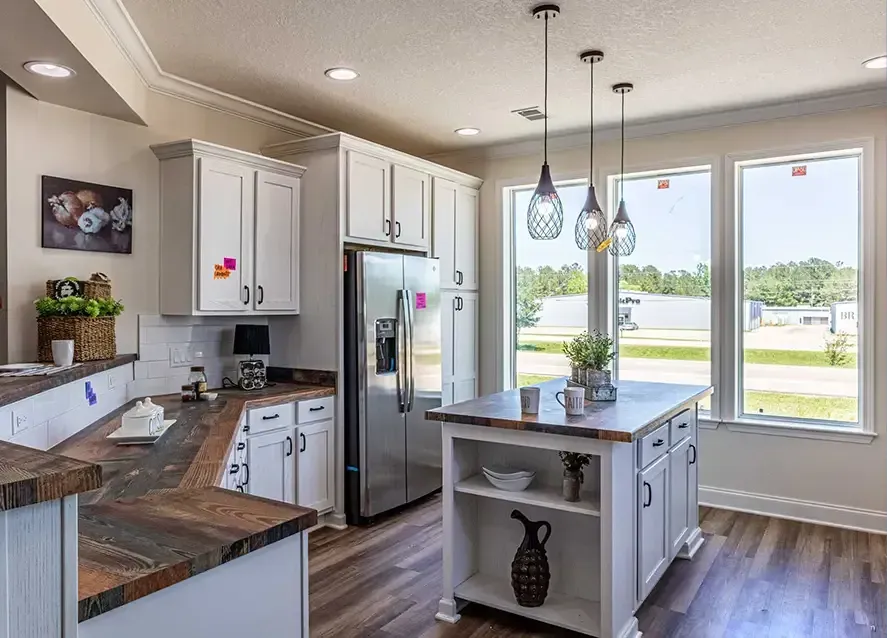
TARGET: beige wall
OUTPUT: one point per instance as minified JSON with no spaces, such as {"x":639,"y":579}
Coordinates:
{"x":847,"y":475}
{"x":44,"y":139}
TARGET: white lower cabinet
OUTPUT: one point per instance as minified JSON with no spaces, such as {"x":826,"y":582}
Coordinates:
{"x":315,"y":487}
{"x":653,"y":533}
{"x":679,"y":458}
{"x":458,"y":346}
{"x":271,"y":465}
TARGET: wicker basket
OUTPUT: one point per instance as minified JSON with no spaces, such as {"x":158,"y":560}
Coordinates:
{"x":94,"y":337}
{"x":89,"y":289}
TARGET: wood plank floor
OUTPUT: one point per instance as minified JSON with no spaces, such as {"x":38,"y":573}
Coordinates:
{"x":755,"y":577}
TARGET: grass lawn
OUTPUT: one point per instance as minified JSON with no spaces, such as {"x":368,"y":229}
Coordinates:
{"x":771,"y":403}
{"x":690,"y":353}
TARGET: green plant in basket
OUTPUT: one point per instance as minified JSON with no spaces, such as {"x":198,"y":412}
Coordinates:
{"x":600,"y":351}
{"x":577,"y":349}
{"x":77,"y":307}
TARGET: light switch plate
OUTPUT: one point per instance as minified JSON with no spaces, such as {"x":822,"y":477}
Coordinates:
{"x":181,"y":356}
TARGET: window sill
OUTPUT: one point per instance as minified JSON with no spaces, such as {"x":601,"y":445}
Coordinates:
{"x":800,"y":430}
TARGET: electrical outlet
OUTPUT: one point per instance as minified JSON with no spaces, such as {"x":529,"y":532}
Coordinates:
{"x":19,"y":422}
{"x":112,"y":382}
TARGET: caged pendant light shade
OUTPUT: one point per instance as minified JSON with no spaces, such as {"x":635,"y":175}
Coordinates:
{"x":622,"y":236}
{"x":545,"y":216}
{"x":591,"y":224}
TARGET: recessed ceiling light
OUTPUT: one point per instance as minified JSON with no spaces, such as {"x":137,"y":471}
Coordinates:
{"x":341,"y":73}
{"x":879,"y":62}
{"x":48,"y":69}
{"x":467,"y":131}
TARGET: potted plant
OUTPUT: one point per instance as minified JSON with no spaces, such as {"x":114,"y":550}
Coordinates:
{"x":573,"y":476}
{"x":576,"y":352}
{"x":599,"y":355}
{"x":88,"y":322}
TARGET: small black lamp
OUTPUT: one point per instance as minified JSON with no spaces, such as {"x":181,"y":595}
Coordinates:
{"x":251,"y":340}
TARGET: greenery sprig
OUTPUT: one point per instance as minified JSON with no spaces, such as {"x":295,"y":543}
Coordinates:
{"x":77,"y":307}
{"x":594,"y":351}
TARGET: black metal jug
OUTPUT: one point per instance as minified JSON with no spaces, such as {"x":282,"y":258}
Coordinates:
{"x":529,"y":569}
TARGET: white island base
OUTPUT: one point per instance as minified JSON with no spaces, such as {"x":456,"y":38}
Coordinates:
{"x":638,"y":512}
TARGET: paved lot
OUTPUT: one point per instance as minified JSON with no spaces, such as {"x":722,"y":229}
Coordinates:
{"x":810,"y":380}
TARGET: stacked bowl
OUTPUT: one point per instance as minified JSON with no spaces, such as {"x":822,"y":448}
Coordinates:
{"x":509,"y":479}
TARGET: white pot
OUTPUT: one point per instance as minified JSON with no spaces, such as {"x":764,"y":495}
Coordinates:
{"x":145,"y":418}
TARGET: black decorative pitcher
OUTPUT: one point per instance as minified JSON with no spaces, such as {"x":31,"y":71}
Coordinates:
{"x":529,"y":569}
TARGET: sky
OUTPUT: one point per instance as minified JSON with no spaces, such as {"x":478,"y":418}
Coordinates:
{"x":785,"y":218}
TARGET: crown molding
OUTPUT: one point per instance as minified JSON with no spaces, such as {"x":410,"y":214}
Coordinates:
{"x":191,"y":147}
{"x":705,"y":121}
{"x":116,"y":20}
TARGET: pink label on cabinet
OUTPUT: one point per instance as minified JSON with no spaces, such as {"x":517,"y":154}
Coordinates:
{"x":230,"y":263}
{"x":420,"y":301}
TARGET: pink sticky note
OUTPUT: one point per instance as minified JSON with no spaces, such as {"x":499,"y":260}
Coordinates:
{"x":230,"y":263}
{"x":420,"y":301}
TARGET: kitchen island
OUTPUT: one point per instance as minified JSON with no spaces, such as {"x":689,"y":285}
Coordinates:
{"x":637,"y":511}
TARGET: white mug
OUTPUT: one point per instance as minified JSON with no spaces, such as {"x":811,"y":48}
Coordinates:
{"x":63,"y":352}
{"x":529,"y":400}
{"x":574,"y":400}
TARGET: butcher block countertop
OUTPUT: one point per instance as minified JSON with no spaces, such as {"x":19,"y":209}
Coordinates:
{"x":173,"y":522}
{"x":29,"y":476}
{"x":640,"y":408}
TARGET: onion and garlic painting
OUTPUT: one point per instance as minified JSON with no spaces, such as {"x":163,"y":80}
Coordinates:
{"x":85,"y":216}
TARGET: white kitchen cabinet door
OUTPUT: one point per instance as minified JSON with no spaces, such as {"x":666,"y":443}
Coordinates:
{"x":225,"y":226}
{"x":368,"y":197}
{"x":410,"y":202}
{"x":693,"y":483}
{"x":444,"y":248}
{"x":277,"y":242}
{"x":448,"y":305}
{"x":465,"y":337}
{"x":271,"y":458}
{"x":679,"y":496}
{"x":466,"y":238}
{"x":653,"y":541}
{"x":316,"y":484}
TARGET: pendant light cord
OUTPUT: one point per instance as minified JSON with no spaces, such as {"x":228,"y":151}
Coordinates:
{"x":545,"y":103}
{"x":591,"y":124}
{"x":622,"y":163}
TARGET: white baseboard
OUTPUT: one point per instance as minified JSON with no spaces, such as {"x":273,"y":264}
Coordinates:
{"x":795,"y":510}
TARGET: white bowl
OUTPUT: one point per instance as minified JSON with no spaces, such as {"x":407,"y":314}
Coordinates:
{"x":505,"y":473}
{"x":513,"y":485}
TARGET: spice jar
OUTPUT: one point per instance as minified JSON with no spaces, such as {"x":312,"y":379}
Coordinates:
{"x":187,"y":392}
{"x":197,"y":379}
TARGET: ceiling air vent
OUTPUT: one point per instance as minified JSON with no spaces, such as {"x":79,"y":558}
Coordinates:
{"x":531,"y":113}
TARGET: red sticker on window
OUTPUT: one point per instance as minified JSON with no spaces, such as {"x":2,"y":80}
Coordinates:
{"x":420,"y":301}
{"x":662,"y":184}
{"x":799,"y":171}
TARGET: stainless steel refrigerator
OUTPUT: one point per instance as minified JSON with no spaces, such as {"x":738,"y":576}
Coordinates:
{"x":392,"y":376}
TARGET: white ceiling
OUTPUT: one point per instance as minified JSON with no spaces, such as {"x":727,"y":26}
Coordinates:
{"x":430,"y":66}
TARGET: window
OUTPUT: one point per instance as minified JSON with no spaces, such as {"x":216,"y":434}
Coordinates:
{"x":550,"y":303}
{"x":799,"y":255}
{"x":663,"y":308}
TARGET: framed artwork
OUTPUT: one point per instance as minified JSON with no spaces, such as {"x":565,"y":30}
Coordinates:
{"x":85,"y":216}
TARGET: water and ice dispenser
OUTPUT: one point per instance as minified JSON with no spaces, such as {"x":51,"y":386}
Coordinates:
{"x":386,"y":346}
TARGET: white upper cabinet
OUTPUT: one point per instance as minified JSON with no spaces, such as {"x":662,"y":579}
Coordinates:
{"x":369,"y":197}
{"x":455,"y":234}
{"x":410,"y":207}
{"x":229,"y":231}
{"x":277,"y":242}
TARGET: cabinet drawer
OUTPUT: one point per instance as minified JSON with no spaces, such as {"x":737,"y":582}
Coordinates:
{"x":653,"y":445}
{"x":683,"y":425}
{"x":315,"y":410}
{"x":271,"y":418}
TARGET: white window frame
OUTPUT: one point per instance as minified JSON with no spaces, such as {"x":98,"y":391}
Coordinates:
{"x":731,"y":298}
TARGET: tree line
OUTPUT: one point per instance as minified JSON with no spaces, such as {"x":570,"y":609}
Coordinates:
{"x":812,"y":282}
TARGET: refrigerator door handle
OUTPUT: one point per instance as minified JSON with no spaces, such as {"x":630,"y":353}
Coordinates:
{"x":402,"y":377}
{"x":411,"y":395}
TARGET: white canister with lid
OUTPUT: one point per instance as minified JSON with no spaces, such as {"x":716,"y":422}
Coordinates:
{"x":145,"y":418}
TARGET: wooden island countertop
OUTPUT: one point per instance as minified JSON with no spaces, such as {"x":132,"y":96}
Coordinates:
{"x":159,"y":518}
{"x":640,"y":408}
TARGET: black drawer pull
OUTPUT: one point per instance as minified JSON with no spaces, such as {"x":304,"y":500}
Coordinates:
{"x":693,"y":447}
{"x":271,"y":418}
{"x":683,"y":426}
{"x":317,"y":409}
{"x":658,"y":443}
{"x":239,"y":488}
{"x":304,"y":442}
{"x":241,"y":446}
{"x":234,"y":469}
{"x":246,"y":428}
{"x":246,"y":469}
{"x":648,"y":497}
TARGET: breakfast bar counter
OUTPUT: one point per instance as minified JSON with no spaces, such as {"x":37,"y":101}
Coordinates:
{"x":637,"y":509}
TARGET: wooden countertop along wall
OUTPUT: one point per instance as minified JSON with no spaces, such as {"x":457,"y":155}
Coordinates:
{"x":29,"y":476}
{"x":173,"y":522}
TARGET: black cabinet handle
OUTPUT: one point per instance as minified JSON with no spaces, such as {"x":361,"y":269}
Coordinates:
{"x":246,"y":288}
{"x":317,"y":409}
{"x":387,"y":228}
{"x":241,"y":446}
{"x":658,"y":443}
{"x":234,"y":469}
{"x":239,"y":488}
{"x":397,"y":229}
{"x":459,"y":277}
{"x":683,"y":426}
{"x":290,"y":441}
{"x":271,"y":418}
{"x":246,"y":428}
{"x":693,"y":447}
{"x":648,"y":497}
{"x":246,"y":469}
{"x":304,"y":442}
{"x":261,"y":292}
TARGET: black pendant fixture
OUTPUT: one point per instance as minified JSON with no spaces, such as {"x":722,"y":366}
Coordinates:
{"x":622,"y":236}
{"x":591,"y":225}
{"x":545,"y":216}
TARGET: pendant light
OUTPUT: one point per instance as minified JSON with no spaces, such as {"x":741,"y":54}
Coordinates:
{"x":545,"y":216}
{"x":622,"y":236}
{"x":591,"y":225}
